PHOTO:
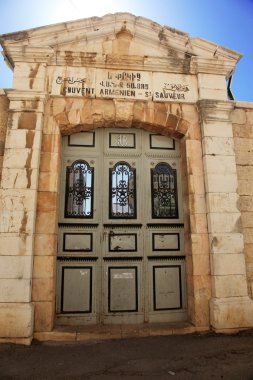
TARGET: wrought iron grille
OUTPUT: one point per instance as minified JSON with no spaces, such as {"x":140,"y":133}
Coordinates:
{"x":164,"y":191}
{"x":122,"y":194}
{"x":79,"y":190}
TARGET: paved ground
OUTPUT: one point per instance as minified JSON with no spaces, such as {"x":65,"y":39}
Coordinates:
{"x":195,"y":356}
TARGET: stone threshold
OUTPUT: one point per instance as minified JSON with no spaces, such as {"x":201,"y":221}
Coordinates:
{"x":106,"y":332}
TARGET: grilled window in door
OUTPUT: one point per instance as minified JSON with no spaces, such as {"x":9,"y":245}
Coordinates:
{"x":79,"y":190}
{"x":122,"y":194}
{"x":164,"y":191}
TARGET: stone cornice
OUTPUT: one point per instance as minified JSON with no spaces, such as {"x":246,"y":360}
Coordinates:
{"x":213,"y":66}
{"x":168,"y":42}
{"x":186,"y":65}
{"x":215,"y":110}
{"x":26,"y":100}
{"x":36,"y":54}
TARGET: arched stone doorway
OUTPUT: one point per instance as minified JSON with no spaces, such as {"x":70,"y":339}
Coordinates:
{"x":68,"y":116}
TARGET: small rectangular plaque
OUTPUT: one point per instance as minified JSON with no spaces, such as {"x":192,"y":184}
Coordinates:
{"x":123,"y":243}
{"x":77,"y":242}
{"x":82,"y":139}
{"x":166,"y":242}
{"x":161,"y":142}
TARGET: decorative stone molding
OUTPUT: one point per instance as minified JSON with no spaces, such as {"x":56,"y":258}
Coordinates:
{"x":26,"y":100}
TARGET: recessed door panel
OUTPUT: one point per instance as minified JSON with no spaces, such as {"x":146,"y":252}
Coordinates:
{"x":121,"y":235}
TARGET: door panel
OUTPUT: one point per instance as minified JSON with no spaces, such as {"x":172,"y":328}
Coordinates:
{"x":121,"y":235}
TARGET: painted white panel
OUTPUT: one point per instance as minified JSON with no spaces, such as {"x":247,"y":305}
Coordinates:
{"x":166,"y":241}
{"x":123,"y":292}
{"x":82,"y":139}
{"x":166,"y":287}
{"x":76,"y":290}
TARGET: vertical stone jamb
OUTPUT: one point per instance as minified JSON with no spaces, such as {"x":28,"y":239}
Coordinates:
{"x":18,"y":199}
{"x":230,"y":306}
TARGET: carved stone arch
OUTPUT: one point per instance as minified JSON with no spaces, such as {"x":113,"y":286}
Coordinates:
{"x":87,"y":114}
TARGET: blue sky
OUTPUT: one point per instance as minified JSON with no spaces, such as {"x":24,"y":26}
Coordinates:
{"x":226,"y":22}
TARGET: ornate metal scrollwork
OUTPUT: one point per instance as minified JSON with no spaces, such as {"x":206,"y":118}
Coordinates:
{"x":164,"y":191}
{"x":79,"y":190}
{"x":122,"y":191}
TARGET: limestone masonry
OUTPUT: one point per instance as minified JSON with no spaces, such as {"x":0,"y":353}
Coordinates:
{"x":158,"y":97}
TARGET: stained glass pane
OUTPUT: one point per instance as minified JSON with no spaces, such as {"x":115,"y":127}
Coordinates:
{"x":122,"y":191}
{"x":164,"y":191}
{"x":79,"y":190}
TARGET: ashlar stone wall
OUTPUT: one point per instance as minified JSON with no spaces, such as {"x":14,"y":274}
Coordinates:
{"x":242,"y":118}
{"x":4,"y":107}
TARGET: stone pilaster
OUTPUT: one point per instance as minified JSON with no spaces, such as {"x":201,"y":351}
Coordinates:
{"x":18,"y":199}
{"x":230,"y":306}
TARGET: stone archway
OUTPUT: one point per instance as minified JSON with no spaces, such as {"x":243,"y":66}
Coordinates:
{"x":66,"y":116}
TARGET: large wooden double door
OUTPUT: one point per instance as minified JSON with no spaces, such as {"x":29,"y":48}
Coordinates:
{"x":121,"y":236}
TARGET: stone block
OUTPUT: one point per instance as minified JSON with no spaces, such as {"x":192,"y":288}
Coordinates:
{"x":220,"y":223}
{"x":221,"y":183}
{"x":246,"y":203}
{"x":194,"y":157}
{"x":245,"y":187}
{"x":199,"y":244}
{"x":231,"y":313}
{"x":48,"y":181}
{"x":16,"y":244}
{"x":16,"y":320}
{"x":229,"y":286}
{"x":50,"y":162}
{"x":198,"y":223}
{"x":47,"y":201}
{"x":244,"y":172}
{"x":248,"y":235}
{"x":249,"y":117}
{"x":51,"y":143}
{"x":207,"y":93}
{"x":201,"y":265}
{"x":44,"y":316}
{"x":214,"y":129}
{"x":44,"y":267}
{"x":43,"y":289}
{"x":21,"y":158}
{"x":201,"y":311}
{"x":46,"y":222}
{"x":238,"y":116}
{"x":219,"y":164}
{"x":244,"y":158}
{"x":242,"y":130}
{"x":196,"y":184}
{"x":197,"y":203}
{"x":16,"y":267}
{"x":243,"y":144}
{"x":222,"y":202}
{"x":18,"y":200}
{"x":17,"y":221}
{"x":194,"y":131}
{"x":189,"y":112}
{"x":248,"y":251}
{"x":20,"y":178}
{"x":223,"y":146}
{"x":15,"y":290}
{"x":212,"y":81}
{"x":226,"y":243}
{"x":224,"y":264}
{"x":45,"y":244}
{"x":23,"y":138}
{"x":247,"y":219}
